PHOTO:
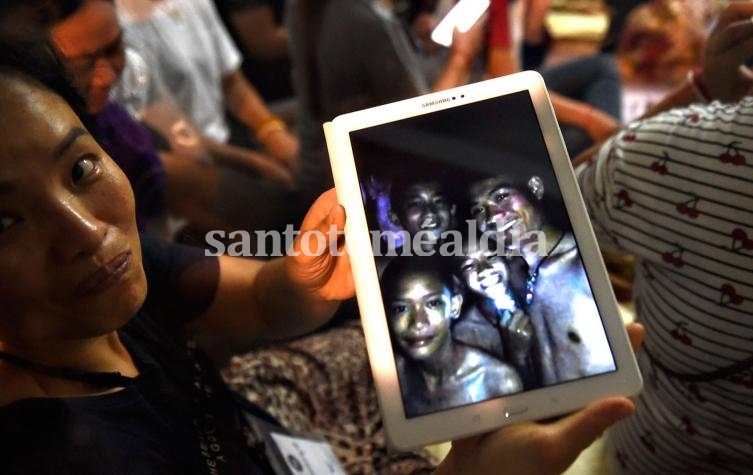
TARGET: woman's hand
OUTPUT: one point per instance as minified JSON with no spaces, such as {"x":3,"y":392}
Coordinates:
{"x":600,"y":125}
{"x":534,"y":448}
{"x":538,"y":448}
{"x":728,"y":48}
{"x":324,"y":271}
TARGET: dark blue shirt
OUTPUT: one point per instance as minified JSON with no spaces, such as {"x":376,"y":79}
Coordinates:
{"x":178,"y":417}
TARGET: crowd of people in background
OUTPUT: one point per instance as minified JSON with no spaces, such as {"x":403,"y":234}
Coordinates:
{"x":170,"y":118}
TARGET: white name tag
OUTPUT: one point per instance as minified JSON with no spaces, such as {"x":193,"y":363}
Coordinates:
{"x":306,"y":456}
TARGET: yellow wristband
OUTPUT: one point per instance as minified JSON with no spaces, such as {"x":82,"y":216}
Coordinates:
{"x":270,"y":124}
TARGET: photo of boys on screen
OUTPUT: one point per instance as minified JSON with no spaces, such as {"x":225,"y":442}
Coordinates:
{"x":482,"y":282}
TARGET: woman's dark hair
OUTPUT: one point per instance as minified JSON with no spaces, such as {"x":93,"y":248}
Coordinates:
{"x":30,"y":55}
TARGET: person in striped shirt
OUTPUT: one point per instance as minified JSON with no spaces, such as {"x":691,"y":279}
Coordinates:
{"x":675,"y":190}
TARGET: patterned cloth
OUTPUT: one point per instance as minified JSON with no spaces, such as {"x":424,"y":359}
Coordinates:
{"x":322,"y":384}
{"x":675,"y":191}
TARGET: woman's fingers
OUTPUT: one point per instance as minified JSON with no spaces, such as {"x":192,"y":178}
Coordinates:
{"x":636,"y":332}
{"x":574,"y":433}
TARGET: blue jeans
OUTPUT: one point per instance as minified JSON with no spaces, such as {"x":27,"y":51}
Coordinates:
{"x":594,"y":80}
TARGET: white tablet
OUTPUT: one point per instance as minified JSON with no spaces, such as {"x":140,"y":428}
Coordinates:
{"x":481,"y":288}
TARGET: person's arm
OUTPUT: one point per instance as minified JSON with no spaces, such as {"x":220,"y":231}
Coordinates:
{"x":189,"y":181}
{"x":535,"y":16}
{"x":596,"y":123}
{"x":188,"y":143}
{"x":254,"y":162}
{"x":259,"y":301}
{"x":465,"y":47}
{"x":260,"y":34}
{"x":501,"y":61}
{"x":245,"y":104}
{"x":503,"y":56}
{"x":538,"y":448}
{"x":724,"y":75}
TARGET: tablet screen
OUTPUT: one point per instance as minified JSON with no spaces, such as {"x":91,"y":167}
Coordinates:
{"x":481,"y":278}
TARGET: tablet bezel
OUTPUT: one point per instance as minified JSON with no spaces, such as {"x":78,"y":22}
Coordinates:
{"x":483,"y":416}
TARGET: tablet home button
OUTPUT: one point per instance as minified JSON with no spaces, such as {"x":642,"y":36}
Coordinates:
{"x":515,"y":410}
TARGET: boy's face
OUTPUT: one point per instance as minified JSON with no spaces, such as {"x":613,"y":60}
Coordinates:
{"x":484,"y":271}
{"x":420,"y":312}
{"x":496,"y":206}
{"x":424,"y":206}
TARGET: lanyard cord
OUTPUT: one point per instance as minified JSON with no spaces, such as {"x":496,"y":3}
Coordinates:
{"x":97,"y":379}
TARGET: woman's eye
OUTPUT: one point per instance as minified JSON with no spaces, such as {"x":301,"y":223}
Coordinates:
{"x":82,"y":168}
{"x":434,"y":302}
{"x":6,"y":222}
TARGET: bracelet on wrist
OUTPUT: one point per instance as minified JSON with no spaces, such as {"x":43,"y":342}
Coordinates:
{"x":269,"y":125}
{"x":696,"y":83}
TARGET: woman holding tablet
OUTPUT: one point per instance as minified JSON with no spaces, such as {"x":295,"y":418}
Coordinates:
{"x":96,"y":374}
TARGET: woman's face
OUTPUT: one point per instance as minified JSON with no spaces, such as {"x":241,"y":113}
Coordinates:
{"x":91,"y":41}
{"x":419,"y":312}
{"x":70,"y":258}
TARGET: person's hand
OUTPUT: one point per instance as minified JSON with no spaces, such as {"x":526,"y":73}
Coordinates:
{"x":538,"y":448}
{"x":283,"y":146}
{"x":600,"y":125}
{"x":261,"y":164}
{"x":466,"y":45}
{"x":423,"y":26}
{"x":326,"y":273}
{"x":517,"y":335}
{"x":186,"y":141}
{"x":534,"y":448}
{"x":728,"y":48}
